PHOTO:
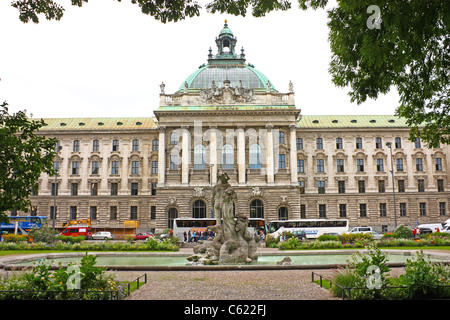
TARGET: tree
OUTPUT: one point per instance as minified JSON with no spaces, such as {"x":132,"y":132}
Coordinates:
{"x":24,"y":155}
{"x":375,"y":44}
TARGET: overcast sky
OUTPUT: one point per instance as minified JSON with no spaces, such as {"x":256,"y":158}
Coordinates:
{"x":107,"y":59}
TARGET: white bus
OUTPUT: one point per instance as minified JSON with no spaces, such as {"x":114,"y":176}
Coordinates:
{"x":312,"y":227}
{"x":180,"y":225}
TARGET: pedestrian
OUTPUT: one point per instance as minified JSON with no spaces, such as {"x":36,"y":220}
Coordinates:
{"x":185,"y":236}
{"x":189,"y":236}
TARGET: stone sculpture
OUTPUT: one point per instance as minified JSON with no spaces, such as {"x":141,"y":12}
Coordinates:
{"x":232,"y":243}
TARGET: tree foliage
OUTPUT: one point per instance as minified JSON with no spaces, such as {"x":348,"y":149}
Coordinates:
{"x":23,"y":157}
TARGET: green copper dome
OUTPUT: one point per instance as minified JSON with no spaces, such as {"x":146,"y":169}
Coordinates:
{"x":226,"y":65}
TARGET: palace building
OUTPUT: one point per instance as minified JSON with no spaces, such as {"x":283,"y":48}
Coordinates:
{"x":228,"y":116}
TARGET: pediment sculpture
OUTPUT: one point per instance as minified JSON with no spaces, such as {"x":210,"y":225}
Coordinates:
{"x":227,"y":94}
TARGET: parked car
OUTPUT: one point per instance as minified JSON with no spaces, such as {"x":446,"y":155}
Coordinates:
{"x":376,"y":235}
{"x":300,"y":234}
{"x":424,"y":231}
{"x":361,"y":230}
{"x":102,"y":235}
{"x":143,"y":236}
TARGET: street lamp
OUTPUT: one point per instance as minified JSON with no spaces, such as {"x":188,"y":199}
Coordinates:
{"x":389,"y":145}
{"x":58,"y":149}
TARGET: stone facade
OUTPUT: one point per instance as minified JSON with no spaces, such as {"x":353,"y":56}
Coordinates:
{"x":281,"y":164}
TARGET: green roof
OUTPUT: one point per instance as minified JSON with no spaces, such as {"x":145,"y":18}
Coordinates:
{"x":356,"y":121}
{"x":86,"y":124}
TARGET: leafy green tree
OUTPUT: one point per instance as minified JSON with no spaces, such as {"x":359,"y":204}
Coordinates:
{"x":24,"y":155}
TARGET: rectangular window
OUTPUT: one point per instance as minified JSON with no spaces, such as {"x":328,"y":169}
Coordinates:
{"x":339,"y":143}
{"x":95,"y":167}
{"x":442,"y":209}
{"x":76,"y":145}
{"x":419,"y":166}
{"x":380,"y":165}
{"x":398,"y":143}
{"x":114,"y":188}
{"x":154,"y":167}
{"x":417,"y":143}
{"x":319,"y":144}
{"x":320,"y":165}
{"x":382,"y":209}
{"x":321,"y":187}
{"x":401,"y":185}
{"x":322,"y":211}
{"x":115,"y":145}
{"x":133,"y":213}
{"x":423,"y":209}
{"x":342,"y":210}
{"x":360,"y":165}
{"x":359,"y":144}
{"x":114,"y":167}
{"x":155,"y":145}
{"x":154,"y":185}
{"x":378,"y":143}
{"x":299,"y":143}
{"x":361,"y":186}
{"x":301,"y":185}
{"x":73,"y":212}
{"x":55,"y":189}
{"x":134,"y":167}
{"x":135,"y":145}
{"x":363,"y":210}
{"x":152,"y":212}
{"x":53,"y":212}
{"x":381,"y":186}
{"x":74,"y":189}
{"x":341,"y":186}
{"x":303,"y":211}
{"x":93,"y":213}
{"x":399,"y":163}
{"x":94,"y":189}
{"x":173,"y":162}
{"x":300,"y":166}
{"x":421,"y":185}
{"x":95,"y":145}
{"x":340,"y":165}
{"x":134,"y":188}
{"x":75,"y":167}
{"x":281,"y":161}
{"x":438,"y":162}
{"x":402,"y":209}
{"x":440,"y":184}
{"x":113,"y":213}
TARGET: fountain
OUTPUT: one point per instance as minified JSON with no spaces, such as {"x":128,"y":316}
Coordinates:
{"x":233,"y":243}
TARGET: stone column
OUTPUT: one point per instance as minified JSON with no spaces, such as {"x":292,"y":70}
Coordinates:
{"x":162,"y":156}
{"x":241,"y":154}
{"x":293,"y":154}
{"x":213,"y":153}
{"x":270,"y":156}
{"x":185,"y":156}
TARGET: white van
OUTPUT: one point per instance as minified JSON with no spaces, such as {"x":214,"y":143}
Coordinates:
{"x":361,"y":230}
{"x":434,"y":227}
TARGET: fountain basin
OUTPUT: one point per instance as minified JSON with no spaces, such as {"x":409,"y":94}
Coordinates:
{"x":151,"y":261}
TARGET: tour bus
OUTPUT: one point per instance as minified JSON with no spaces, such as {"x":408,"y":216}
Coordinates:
{"x":22,"y":224}
{"x":312,"y":227}
{"x":180,"y":225}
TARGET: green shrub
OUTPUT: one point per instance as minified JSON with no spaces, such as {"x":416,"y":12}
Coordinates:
{"x":70,"y":239}
{"x":327,"y":237}
{"x":403,"y":232}
{"x":44,"y":234}
{"x":290,"y":244}
{"x":15,"y":238}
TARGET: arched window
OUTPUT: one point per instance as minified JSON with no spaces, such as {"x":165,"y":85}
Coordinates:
{"x":199,"y":209}
{"x":283,"y":213}
{"x":256,"y":209}
{"x":172,"y":214}
{"x":255,"y":156}
{"x":199,"y":157}
{"x":227,"y":157}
